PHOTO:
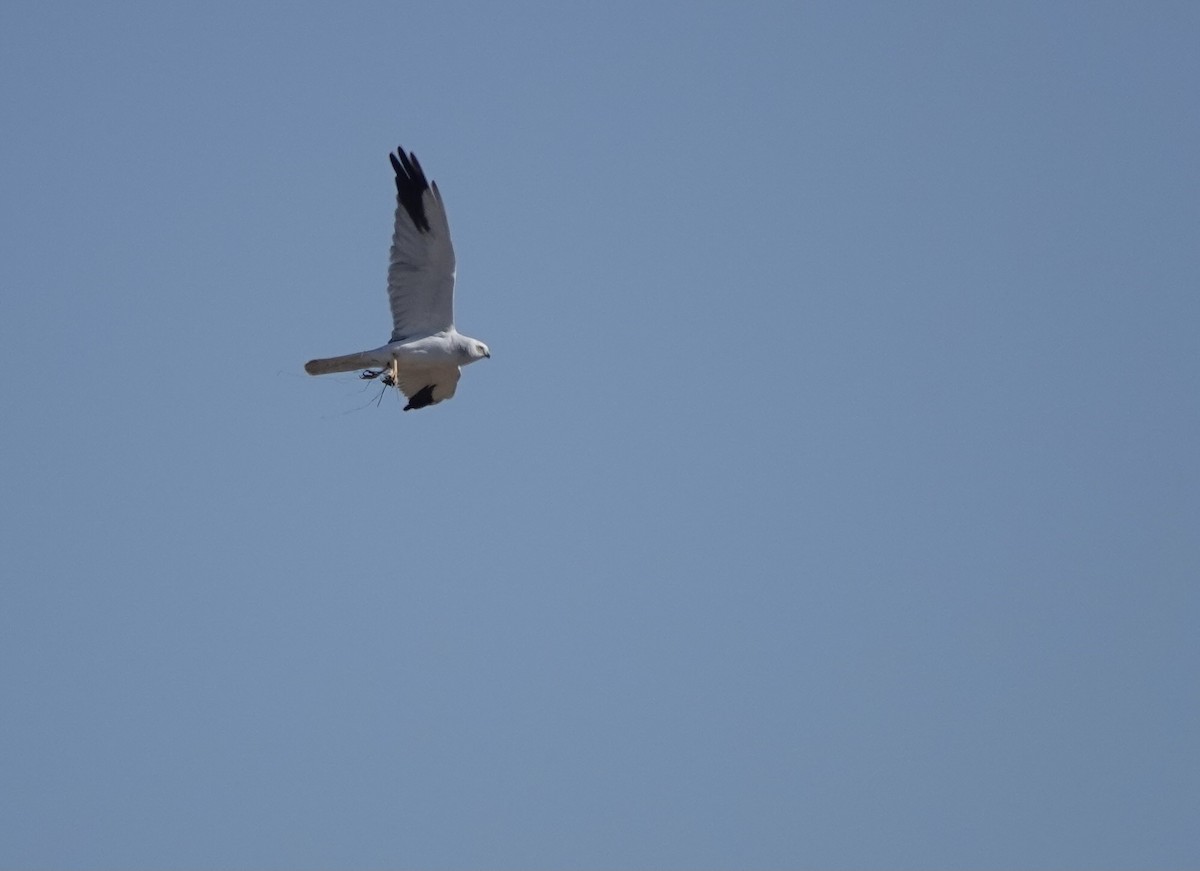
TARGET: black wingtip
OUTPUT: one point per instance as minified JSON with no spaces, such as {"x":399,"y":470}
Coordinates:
{"x":411,"y":185}
{"x":421,"y":398}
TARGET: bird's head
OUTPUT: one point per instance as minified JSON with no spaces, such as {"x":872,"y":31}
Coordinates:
{"x":479,"y":350}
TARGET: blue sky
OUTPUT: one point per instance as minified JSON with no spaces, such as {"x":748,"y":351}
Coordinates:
{"x":831,"y":498}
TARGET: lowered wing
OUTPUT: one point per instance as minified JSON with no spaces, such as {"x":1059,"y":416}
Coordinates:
{"x":421,"y":271}
{"x":427,"y":385}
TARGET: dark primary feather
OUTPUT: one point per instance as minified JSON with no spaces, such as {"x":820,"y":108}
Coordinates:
{"x":421,"y":398}
{"x":410,"y":187}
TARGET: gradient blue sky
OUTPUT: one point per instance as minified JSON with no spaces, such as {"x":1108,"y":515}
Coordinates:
{"x":831,"y":499}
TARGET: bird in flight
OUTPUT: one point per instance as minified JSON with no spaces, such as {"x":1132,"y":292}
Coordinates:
{"x":425,"y":354}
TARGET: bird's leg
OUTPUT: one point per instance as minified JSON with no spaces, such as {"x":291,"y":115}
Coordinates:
{"x":392,"y":378}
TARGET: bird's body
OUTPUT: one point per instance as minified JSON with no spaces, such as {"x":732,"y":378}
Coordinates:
{"x":425,"y":353}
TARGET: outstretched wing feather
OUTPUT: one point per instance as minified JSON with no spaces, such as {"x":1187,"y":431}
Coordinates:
{"x":421,"y":267}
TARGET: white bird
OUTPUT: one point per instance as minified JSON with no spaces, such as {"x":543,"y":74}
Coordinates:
{"x":425,"y":353}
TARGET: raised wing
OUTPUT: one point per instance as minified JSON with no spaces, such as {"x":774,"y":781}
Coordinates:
{"x":428,"y":385}
{"x":421,"y":271}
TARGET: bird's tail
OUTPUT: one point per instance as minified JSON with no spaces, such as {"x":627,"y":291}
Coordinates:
{"x":348,"y":363}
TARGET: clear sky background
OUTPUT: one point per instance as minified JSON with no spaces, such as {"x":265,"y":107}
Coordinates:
{"x":831,"y":498}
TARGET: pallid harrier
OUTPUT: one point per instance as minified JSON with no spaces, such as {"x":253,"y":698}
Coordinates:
{"x":425,"y":352}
